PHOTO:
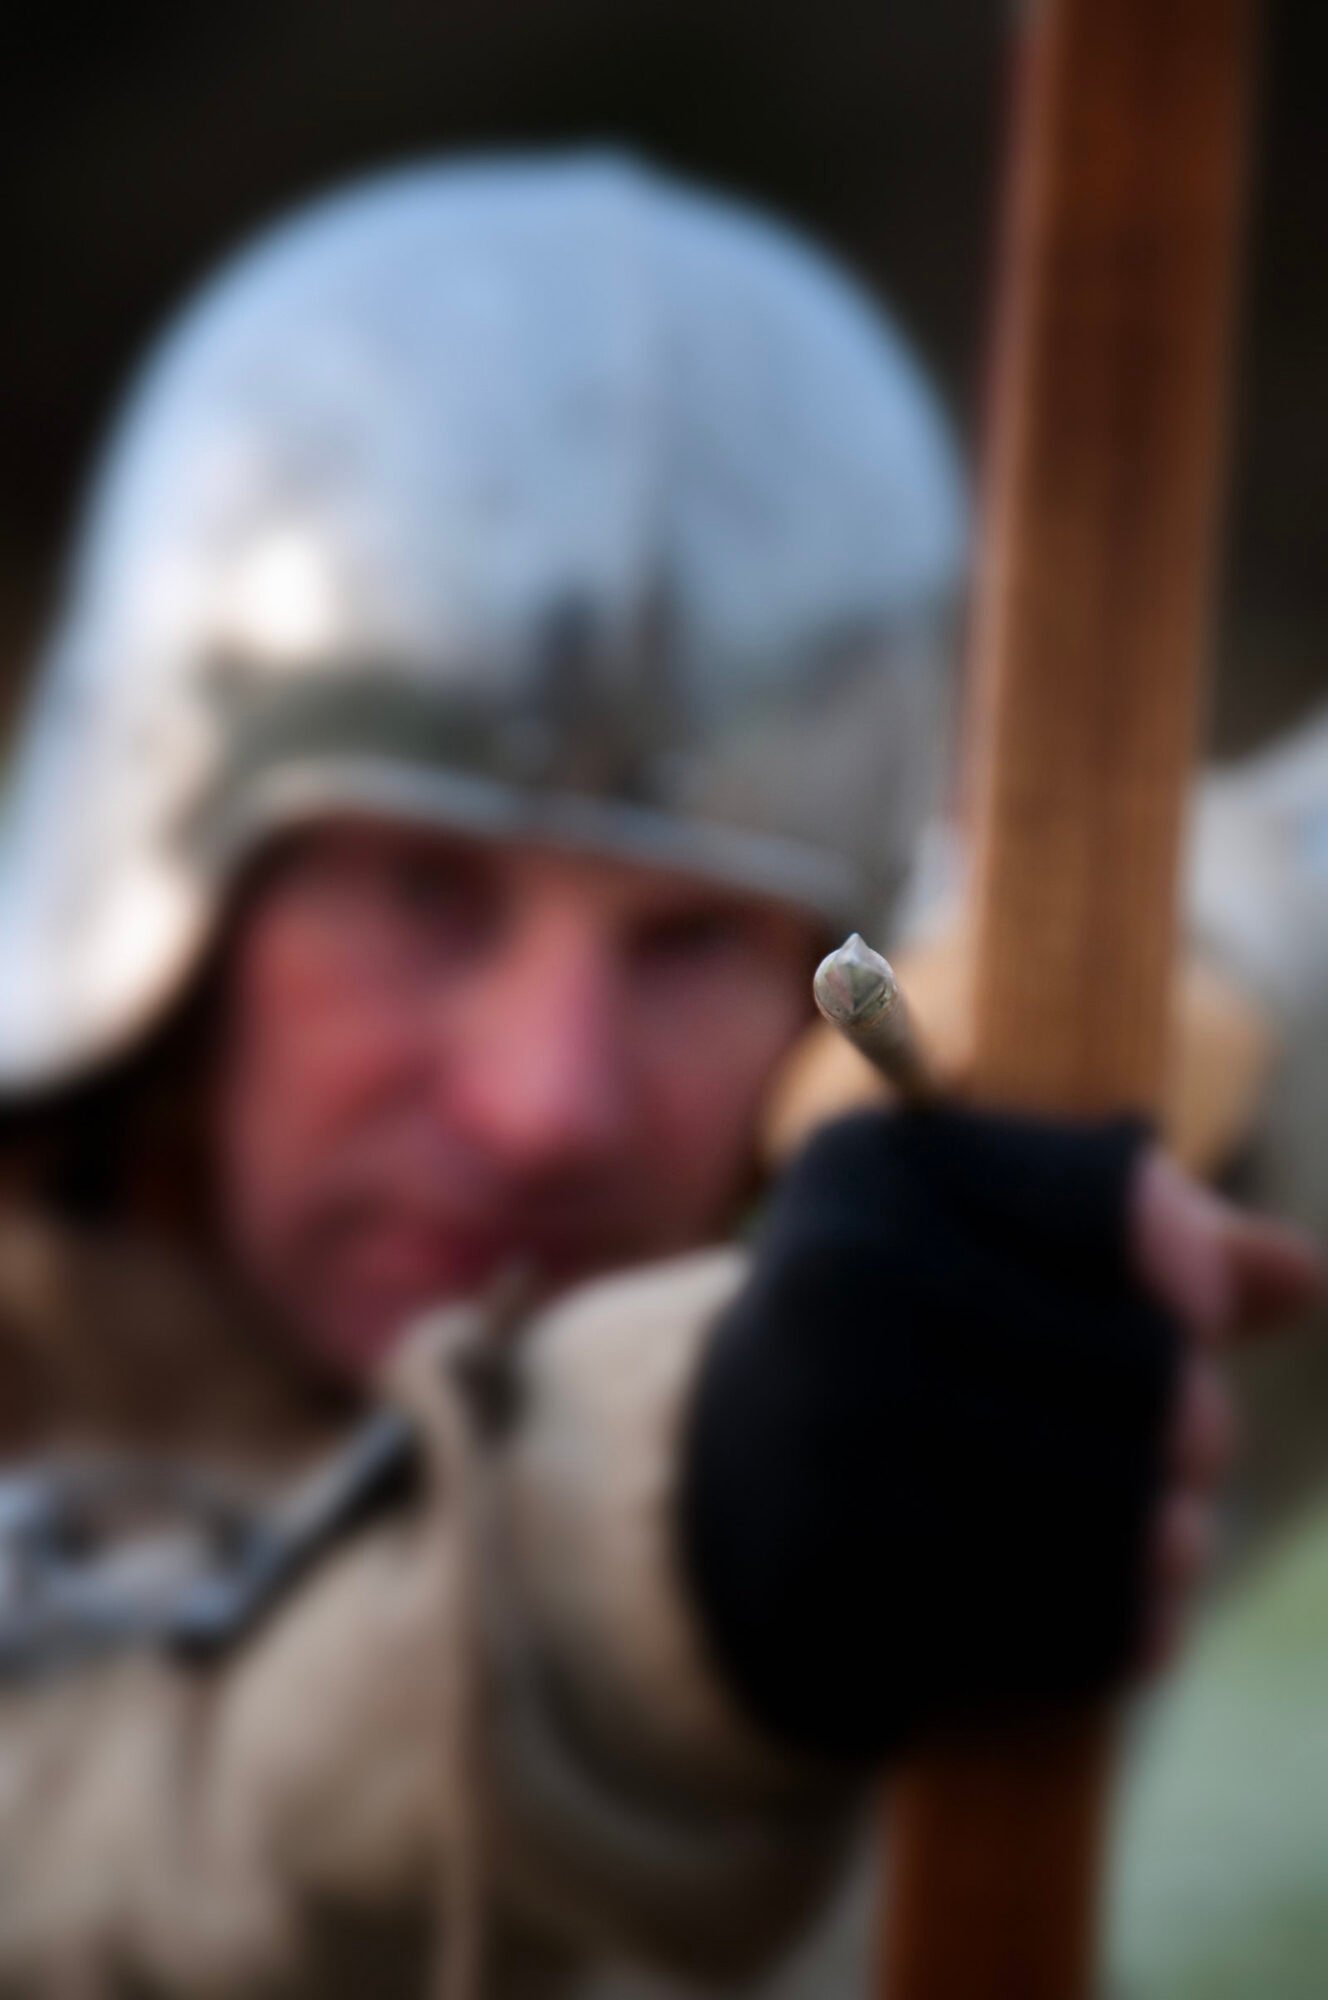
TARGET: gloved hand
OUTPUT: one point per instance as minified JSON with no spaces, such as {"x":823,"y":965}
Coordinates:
{"x":952,"y":1450}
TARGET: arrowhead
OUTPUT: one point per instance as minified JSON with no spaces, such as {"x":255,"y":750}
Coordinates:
{"x":854,"y":983}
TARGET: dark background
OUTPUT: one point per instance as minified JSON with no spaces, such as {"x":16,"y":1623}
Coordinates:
{"x":142,"y":139}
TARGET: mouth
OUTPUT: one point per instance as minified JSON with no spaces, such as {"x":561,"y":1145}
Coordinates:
{"x":372,"y":1277}
{"x":374,"y":1263}
{"x":407,"y":1262}
{"x":413,"y":1262}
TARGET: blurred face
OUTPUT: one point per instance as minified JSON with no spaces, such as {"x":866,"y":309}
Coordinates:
{"x":439,"y":1058}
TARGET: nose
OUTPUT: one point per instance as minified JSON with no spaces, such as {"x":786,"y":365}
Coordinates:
{"x":540,"y":1071}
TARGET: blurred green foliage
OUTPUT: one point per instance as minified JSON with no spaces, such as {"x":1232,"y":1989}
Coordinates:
{"x":1221,"y":1888}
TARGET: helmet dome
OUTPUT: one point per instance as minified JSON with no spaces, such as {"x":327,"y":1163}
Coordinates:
{"x":537,"y":498}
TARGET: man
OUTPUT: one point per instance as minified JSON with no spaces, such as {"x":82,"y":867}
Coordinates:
{"x":504,"y":650}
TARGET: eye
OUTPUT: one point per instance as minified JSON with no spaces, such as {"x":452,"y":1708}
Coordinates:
{"x":444,"y":899}
{"x":692,"y":938}
{"x":423,"y":886}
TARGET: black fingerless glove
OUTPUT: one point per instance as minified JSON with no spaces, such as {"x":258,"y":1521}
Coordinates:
{"x":927,"y":1439}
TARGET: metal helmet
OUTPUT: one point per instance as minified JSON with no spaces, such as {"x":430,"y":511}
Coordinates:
{"x":544,"y":499}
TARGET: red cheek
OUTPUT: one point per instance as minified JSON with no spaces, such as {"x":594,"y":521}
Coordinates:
{"x":301,"y":1061}
{"x":304,"y":1038}
{"x":701,"y":1149}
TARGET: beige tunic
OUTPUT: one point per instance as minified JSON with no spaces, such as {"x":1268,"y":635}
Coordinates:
{"x":494,"y":1697}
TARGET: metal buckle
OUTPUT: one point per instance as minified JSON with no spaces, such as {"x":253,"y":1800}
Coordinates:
{"x":103,"y":1553}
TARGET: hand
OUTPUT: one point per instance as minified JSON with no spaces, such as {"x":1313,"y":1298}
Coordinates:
{"x":953,"y":1451}
{"x":1222,"y":1274}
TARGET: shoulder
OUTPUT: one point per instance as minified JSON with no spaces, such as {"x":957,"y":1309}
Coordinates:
{"x":589,"y":1486}
{"x":622,"y":1351}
